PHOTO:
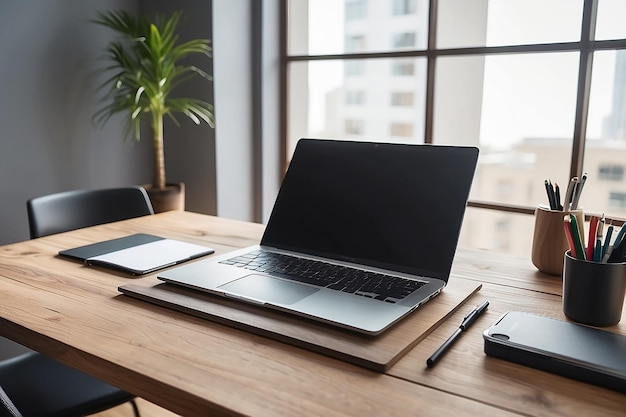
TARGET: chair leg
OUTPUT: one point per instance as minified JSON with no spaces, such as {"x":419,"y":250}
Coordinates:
{"x":135,"y":408}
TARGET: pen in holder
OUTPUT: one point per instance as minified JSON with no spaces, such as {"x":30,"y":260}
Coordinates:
{"x":593,"y":292}
{"x":549,"y":240}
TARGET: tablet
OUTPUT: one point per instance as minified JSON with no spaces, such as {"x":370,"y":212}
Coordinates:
{"x":137,"y":254}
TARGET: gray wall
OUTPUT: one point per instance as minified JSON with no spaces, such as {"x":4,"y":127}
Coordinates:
{"x":48,"y":54}
{"x":235,"y":140}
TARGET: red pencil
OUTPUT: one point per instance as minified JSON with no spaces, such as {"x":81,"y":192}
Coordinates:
{"x":591,"y":239}
{"x":568,"y":235}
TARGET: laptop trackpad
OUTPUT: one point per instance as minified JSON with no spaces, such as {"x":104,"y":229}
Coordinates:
{"x":268,"y":289}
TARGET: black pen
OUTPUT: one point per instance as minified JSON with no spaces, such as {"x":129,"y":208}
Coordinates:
{"x":550,"y":193}
{"x":557,"y":197}
{"x":618,"y":252}
{"x":467,"y":322}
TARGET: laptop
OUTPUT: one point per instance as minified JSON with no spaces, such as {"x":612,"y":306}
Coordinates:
{"x":360,"y":235}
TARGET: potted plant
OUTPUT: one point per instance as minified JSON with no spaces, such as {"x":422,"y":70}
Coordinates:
{"x":145,"y":67}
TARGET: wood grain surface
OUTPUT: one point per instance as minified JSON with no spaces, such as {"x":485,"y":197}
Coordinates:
{"x":376,"y":353}
{"x":196,"y":367}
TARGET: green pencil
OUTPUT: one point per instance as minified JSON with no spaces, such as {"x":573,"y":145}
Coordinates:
{"x":578,"y":240}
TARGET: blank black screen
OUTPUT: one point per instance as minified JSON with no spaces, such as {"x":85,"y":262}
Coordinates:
{"x":395,"y":206}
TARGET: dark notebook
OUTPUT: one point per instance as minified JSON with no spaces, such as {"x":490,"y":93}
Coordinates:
{"x":137,"y":254}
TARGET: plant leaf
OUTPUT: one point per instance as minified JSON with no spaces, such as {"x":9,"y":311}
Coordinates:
{"x":145,"y":68}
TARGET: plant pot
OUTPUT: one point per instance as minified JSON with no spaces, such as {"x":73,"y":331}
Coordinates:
{"x":172,"y":197}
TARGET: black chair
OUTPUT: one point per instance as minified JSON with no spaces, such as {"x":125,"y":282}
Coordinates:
{"x":70,"y":210}
{"x":36,"y":386}
{"x":32,"y":384}
{"x":7,"y":408}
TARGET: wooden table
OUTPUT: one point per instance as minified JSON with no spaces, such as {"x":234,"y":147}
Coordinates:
{"x":196,"y":367}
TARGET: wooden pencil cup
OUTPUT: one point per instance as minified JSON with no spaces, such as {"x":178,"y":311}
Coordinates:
{"x":549,"y":240}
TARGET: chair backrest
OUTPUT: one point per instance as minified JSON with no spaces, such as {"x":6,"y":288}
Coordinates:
{"x":70,"y":210}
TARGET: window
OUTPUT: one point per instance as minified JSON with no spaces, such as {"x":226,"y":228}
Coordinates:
{"x":617,"y":200}
{"x":504,"y":188}
{"x":356,"y":9}
{"x":353,"y":68}
{"x":401,"y":99}
{"x":503,"y":234}
{"x":403,"y":7}
{"x":397,"y":129}
{"x":514,"y":78}
{"x":403,"y":68}
{"x":353,"y":127}
{"x":404,"y":40}
{"x":355,"y":43}
{"x":355,"y":97}
{"x":611,"y":172}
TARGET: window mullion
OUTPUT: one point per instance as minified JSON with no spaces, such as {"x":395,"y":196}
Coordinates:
{"x":584,"y":86}
{"x":430,"y":72}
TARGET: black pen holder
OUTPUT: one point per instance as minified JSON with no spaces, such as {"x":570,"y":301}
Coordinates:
{"x":593,"y":292}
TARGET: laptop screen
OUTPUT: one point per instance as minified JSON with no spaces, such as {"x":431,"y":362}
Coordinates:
{"x":393,"y":206}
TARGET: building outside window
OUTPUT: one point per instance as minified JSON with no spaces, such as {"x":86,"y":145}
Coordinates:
{"x":355,"y":98}
{"x":505,"y":188}
{"x":353,"y":127}
{"x":356,"y":9}
{"x":611,"y":172}
{"x":399,"y":129}
{"x":404,"y":7}
{"x":355,"y":43}
{"x":402,"y":99}
{"x":354,"y":68}
{"x":503,"y":234}
{"x":402,"y":68}
{"x":617,"y":200}
{"x":526,"y":81}
{"x":404,"y":40}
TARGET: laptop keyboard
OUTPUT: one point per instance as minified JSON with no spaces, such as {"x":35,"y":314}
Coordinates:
{"x":374,"y":285}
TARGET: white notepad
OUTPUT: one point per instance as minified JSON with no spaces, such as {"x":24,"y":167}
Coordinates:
{"x":150,"y":256}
